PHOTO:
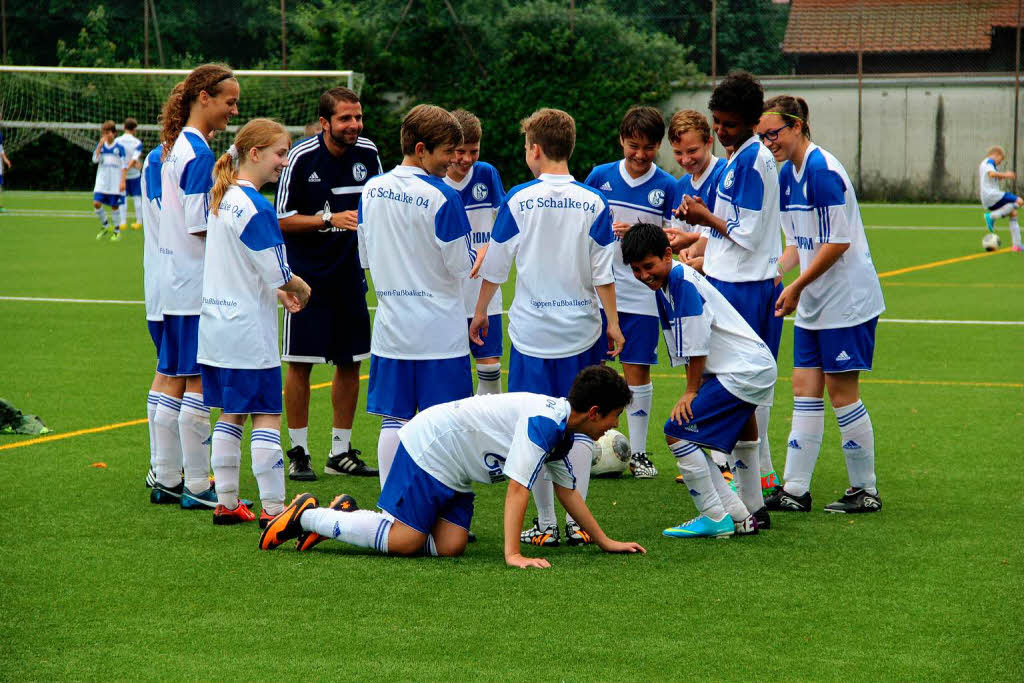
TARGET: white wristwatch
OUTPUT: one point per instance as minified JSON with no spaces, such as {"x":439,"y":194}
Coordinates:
{"x":326,"y":218}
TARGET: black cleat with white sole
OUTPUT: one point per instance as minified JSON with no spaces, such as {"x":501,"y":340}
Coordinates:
{"x":349,"y":463}
{"x":787,"y":502}
{"x":299,"y":468}
{"x":855,"y":501}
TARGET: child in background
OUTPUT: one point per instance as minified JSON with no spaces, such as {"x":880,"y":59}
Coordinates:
{"x":244,"y":276}
{"x":109,"y":157}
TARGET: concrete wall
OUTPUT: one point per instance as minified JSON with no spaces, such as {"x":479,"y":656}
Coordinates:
{"x":911,"y":151}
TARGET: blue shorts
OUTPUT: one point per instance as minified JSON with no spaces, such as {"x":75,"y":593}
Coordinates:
{"x":718,"y":418}
{"x":844,"y":349}
{"x":641,"y":332}
{"x":111,"y":200}
{"x":1,"y":178}
{"x":133,"y":186}
{"x":156,"y":333}
{"x":179,"y":346}
{"x":399,"y":388}
{"x":550,"y":376}
{"x":492,"y":347}
{"x":755,"y":302}
{"x":417,"y":499}
{"x":242,"y":392}
{"x":1007,"y":198}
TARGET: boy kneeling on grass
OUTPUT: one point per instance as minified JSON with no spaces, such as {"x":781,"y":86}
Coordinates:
{"x":428,"y":497}
{"x":729,"y":372}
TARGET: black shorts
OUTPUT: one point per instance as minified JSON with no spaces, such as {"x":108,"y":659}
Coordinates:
{"x":333,"y":328}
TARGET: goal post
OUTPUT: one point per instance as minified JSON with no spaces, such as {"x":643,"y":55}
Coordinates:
{"x":72,"y":102}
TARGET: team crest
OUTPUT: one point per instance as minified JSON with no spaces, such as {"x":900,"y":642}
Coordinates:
{"x":656,"y":198}
{"x":358,"y":172}
{"x":479,"y":192}
{"x":727,"y":183}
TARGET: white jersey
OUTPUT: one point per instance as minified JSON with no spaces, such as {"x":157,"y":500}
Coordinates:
{"x":819,"y":207}
{"x":132,"y":152}
{"x":558,"y":232}
{"x":748,"y":202}
{"x":481,"y":192}
{"x":699,"y":321}
{"x":647,"y":199}
{"x":490,"y":438}
{"x":150,"y":212}
{"x":990,"y":190}
{"x":245,"y":264}
{"x":186,"y":179}
{"x":110,"y":160}
{"x":414,"y":238}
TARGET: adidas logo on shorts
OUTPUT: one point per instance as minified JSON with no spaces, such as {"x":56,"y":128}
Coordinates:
{"x":794,"y":444}
{"x":313,"y":178}
{"x":607,"y":187}
{"x":851,"y":445}
{"x":843,"y":356}
{"x":690,"y":428}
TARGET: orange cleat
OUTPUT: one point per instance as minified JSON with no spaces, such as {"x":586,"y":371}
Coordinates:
{"x":223,"y":516}
{"x":285,"y":526}
{"x":307,"y":540}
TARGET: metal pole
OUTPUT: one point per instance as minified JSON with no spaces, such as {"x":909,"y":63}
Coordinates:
{"x":156,"y":30}
{"x":1016,"y":93}
{"x":284,"y":39}
{"x":860,"y":93}
{"x":714,"y":41}
{"x":572,"y":14}
{"x":145,"y":33}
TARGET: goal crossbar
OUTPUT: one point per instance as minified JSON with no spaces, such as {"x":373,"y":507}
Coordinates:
{"x":346,"y":74}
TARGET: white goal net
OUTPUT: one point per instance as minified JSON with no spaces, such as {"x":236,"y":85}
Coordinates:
{"x":73,"y":102}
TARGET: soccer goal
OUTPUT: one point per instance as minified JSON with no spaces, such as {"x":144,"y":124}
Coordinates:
{"x":73,"y":101}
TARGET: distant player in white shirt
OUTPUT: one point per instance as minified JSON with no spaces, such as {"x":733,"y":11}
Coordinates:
{"x":109,"y":159}
{"x":414,"y":238}
{"x":3,"y":161}
{"x":745,"y":239}
{"x":558,"y":234}
{"x":837,"y":300}
{"x":729,"y":372}
{"x":997,"y":203}
{"x":447,"y":448}
{"x":206,"y":102}
{"x":131,"y":174}
{"x":637,"y":192}
{"x":245,"y":274}
{"x":482,"y":192}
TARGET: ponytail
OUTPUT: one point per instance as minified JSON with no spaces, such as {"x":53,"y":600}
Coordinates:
{"x":178,"y":106}
{"x":256,"y":134}
{"x":792,"y":108}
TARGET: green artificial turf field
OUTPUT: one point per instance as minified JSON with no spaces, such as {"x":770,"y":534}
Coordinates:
{"x":96,"y":583}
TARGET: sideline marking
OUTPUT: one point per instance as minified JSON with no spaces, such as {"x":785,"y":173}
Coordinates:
{"x":54,"y":300}
{"x":944,"y":262}
{"x":918,"y":228}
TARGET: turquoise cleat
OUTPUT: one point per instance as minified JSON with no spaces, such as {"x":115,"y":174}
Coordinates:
{"x":989,"y":223}
{"x":702,"y":527}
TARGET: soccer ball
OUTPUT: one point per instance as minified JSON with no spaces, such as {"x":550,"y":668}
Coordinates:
{"x":611,"y":454}
{"x":991,"y":242}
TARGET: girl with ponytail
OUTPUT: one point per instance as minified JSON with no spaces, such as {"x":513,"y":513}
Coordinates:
{"x":245,"y":274}
{"x":837,"y":299}
{"x":201,"y":105}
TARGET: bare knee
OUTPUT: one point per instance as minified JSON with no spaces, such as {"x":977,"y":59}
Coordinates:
{"x":96,"y":205}
{"x":449,"y":549}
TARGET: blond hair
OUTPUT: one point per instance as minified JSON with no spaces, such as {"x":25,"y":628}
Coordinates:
{"x":996,"y":149}
{"x":686,"y":120}
{"x":256,"y":134}
{"x":553,"y":130}
{"x":108,"y":127}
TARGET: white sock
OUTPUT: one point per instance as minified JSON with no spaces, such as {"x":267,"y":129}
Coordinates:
{"x":1014,"y":232}
{"x":341,"y":440}
{"x":764,"y":451}
{"x":168,"y":442}
{"x":268,"y":467}
{"x":488,"y":379}
{"x":804,"y":443}
{"x":119,"y":215}
{"x":1002,"y":211}
{"x":746,"y":474}
{"x":226,"y":458}
{"x":194,"y":426}
{"x":693,"y":465}
{"x":298,"y":437}
{"x":544,"y":499}
{"x":581,"y":456}
{"x":719,"y":458}
{"x":638,"y":416}
{"x":858,"y":445}
{"x":387,"y":446}
{"x":101,"y":213}
{"x":152,"y":401}
{"x":364,"y":528}
{"x":730,"y":501}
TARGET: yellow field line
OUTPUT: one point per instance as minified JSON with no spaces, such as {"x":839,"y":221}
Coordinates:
{"x":944,"y":262}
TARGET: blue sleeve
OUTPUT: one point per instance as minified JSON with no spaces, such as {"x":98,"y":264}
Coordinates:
{"x":825,"y":187}
{"x":262,"y":231}
{"x":497,"y":189}
{"x":672,"y":199}
{"x":505,"y":227}
{"x":197,"y":178}
{"x":601,"y":229}
{"x":543,"y":432}
{"x":593,"y":180}
{"x":686,"y":300}
{"x":450,"y":222}
{"x":748,"y":190}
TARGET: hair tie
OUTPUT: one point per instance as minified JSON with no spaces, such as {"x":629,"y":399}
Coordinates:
{"x":782,"y":113}
{"x":233,"y":151}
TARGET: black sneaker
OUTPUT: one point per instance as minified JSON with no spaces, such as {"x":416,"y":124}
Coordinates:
{"x":298,"y":466}
{"x":349,"y":463}
{"x":470,"y":537}
{"x":781,"y":500}
{"x":854,"y":501}
{"x":763,"y":519}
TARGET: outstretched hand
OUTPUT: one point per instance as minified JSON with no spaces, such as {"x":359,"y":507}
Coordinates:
{"x":526,"y":562}
{"x":611,"y":546}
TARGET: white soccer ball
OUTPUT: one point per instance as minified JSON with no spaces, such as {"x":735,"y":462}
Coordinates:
{"x":991,"y":242}
{"x":611,"y":455}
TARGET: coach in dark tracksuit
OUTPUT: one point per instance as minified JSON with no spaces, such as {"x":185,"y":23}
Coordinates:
{"x":317,"y":202}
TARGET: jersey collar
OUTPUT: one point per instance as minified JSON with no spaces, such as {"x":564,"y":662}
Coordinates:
{"x":798,"y":174}
{"x":697,"y":182}
{"x":190,"y":129}
{"x":244,"y":183}
{"x":461,"y":185}
{"x":556,"y":178}
{"x":408,"y":171}
{"x":636,"y":182}
{"x":752,"y":140}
